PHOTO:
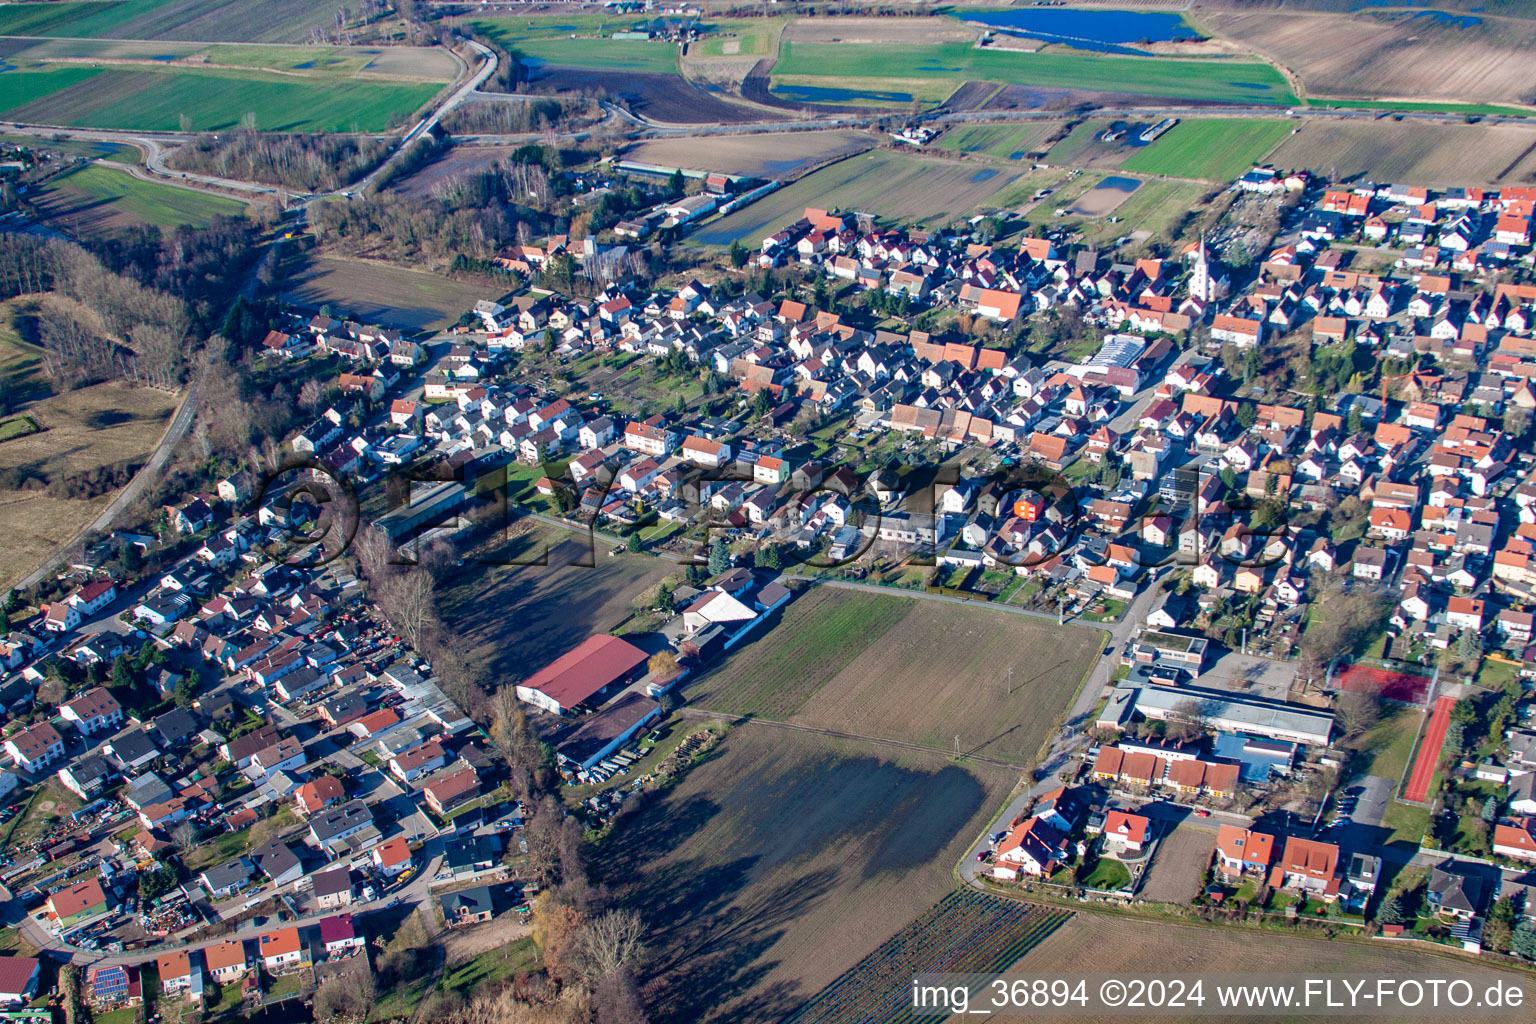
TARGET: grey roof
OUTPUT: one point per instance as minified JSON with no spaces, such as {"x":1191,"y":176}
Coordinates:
{"x":148,"y":789}
{"x":176,"y":725}
{"x":232,"y":873}
{"x":1456,"y":891}
{"x":479,"y":900}
{"x":329,"y":883}
{"x":275,"y":859}
{"x":331,"y":823}
{"x":132,"y":746}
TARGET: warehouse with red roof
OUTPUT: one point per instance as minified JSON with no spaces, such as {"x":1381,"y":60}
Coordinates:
{"x":577,"y":677}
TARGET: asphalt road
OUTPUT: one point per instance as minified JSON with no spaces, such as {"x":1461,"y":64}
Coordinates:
{"x":415,"y":892}
{"x":153,"y":468}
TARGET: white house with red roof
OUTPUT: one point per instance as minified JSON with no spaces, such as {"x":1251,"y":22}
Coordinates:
{"x":93,"y":597}
{"x":1125,"y":832}
{"x":60,"y":617}
{"x":92,"y":711}
{"x":392,"y":856}
{"x":1516,"y":839}
{"x":1031,"y":848}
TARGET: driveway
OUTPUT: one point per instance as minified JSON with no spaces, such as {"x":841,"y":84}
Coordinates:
{"x":1375,"y":795}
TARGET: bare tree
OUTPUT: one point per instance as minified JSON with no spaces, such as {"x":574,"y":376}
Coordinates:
{"x":1185,"y":721}
{"x":345,"y":997}
{"x":608,"y":944}
{"x":408,"y":599}
{"x":184,"y":836}
{"x":1356,"y":712}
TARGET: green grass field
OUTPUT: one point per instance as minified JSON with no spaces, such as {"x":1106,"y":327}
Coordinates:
{"x":1215,"y":150}
{"x":491,"y":966}
{"x":1218,"y":79}
{"x":156,"y":100}
{"x":276,"y":21}
{"x":1009,"y":141}
{"x":820,"y":634}
{"x":128,"y":197}
{"x":551,"y":42}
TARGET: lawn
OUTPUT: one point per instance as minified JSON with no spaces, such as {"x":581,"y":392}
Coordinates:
{"x":1495,"y":675}
{"x":553,"y":43}
{"x":226,"y":847}
{"x":94,"y":198}
{"x":165,"y":99}
{"x":51,"y":804}
{"x":491,"y":966}
{"x":1218,"y":149}
{"x":909,"y":670}
{"x":1384,"y":749}
{"x":1407,"y":822}
{"x":1108,"y":873}
{"x":1219,"y":79}
{"x":820,"y":634}
{"x":1009,"y":141}
{"x":270,"y":21}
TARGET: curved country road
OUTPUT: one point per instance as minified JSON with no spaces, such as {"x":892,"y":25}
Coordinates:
{"x":133,"y":490}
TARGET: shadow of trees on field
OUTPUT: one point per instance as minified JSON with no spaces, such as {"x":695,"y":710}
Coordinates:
{"x":712,"y":926}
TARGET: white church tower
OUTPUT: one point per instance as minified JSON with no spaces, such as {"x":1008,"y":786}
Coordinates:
{"x":1205,"y":283}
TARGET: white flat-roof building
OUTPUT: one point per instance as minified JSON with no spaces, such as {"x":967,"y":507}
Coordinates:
{"x":1226,"y":711}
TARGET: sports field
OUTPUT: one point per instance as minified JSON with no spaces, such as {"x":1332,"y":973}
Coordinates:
{"x":909,"y":670}
{"x":1218,"y":149}
{"x":843,"y":65}
{"x":94,"y":199}
{"x":783,"y":860}
{"x":154,"y":99}
{"x":885,"y":183}
{"x":1424,"y":765}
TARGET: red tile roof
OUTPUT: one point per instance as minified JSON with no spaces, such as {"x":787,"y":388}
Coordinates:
{"x":576,"y":675}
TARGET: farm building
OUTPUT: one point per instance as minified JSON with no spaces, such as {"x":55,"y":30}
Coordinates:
{"x":595,"y":737}
{"x":578,"y":676}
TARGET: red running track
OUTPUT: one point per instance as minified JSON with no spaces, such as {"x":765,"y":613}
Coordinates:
{"x":1429,"y":751}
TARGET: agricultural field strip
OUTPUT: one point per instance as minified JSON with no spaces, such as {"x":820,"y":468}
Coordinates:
{"x":966,"y":932}
{"x":1246,"y":81}
{"x":372,"y":62}
{"x":116,"y":193}
{"x":158,"y":99}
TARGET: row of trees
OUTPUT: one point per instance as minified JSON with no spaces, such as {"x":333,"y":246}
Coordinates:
{"x":115,"y":326}
{"x":406,"y":227}
{"x":590,"y":948}
{"x":312,"y":163}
